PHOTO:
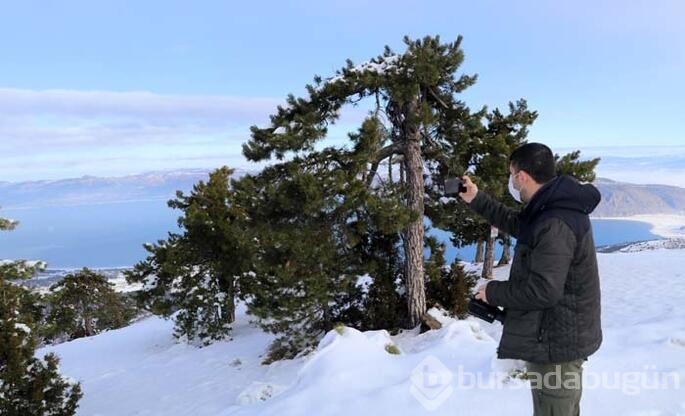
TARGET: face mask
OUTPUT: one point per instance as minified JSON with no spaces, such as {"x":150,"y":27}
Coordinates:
{"x":516,"y":194}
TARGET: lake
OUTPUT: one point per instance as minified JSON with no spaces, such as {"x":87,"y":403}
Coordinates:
{"x":111,"y":235}
{"x":606,"y":232}
{"x":107,"y":235}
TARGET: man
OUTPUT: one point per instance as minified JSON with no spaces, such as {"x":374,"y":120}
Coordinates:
{"x":552,"y":297}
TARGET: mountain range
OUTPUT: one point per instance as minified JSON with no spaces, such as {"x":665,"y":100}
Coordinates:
{"x":619,"y":199}
{"x":89,"y":190}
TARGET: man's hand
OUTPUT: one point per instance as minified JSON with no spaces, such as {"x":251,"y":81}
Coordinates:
{"x":480,"y":294}
{"x":471,"y":189}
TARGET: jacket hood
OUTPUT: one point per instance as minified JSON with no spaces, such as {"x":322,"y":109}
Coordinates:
{"x":564,"y":192}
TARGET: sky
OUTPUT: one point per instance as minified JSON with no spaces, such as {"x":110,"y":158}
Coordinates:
{"x":110,"y":88}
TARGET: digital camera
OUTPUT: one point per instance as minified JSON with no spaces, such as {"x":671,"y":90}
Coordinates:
{"x":486,"y":312}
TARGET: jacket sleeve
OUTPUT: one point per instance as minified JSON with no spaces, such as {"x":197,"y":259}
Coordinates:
{"x":497,"y":214}
{"x":547,"y":268}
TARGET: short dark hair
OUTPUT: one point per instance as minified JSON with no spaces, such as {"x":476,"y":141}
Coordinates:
{"x":536,"y":159}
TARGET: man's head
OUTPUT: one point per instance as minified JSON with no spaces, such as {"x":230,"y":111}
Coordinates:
{"x":531,"y":166}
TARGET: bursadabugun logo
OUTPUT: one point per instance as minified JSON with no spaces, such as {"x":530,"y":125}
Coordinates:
{"x":431,"y":383}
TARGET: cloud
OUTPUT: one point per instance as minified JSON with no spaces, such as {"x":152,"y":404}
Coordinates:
{"x":54,"y":120}
{"x":137,"y":104}
{"x":61,"y":133}
{"x":101,"y":134}
{"x":638,"y":164}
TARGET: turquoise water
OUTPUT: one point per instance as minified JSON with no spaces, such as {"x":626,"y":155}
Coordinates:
{"x":111,"y":235}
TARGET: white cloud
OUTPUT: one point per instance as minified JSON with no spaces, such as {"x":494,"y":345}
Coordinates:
{"x":638,"y":164}
{"x":137,"y":104}
{"x":57,"y":119}
{"x":61,"y":133}
{"x":58,"y":133}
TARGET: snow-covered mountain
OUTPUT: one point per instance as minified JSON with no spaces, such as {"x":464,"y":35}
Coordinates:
{"x":639,"y":369}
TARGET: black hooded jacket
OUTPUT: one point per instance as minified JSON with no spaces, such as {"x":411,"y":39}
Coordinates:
{"x":552,"y":297}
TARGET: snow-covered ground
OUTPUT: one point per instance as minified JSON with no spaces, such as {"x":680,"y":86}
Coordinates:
{"x":639,"y":370}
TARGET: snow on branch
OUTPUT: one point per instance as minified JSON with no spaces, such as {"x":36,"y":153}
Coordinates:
{"x":380,"y":66}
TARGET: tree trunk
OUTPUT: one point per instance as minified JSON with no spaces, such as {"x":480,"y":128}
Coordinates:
{"x":227,"y":285}
{"x":479,"y":252}
{"x":325,"y":305}
{"x":402,"y":178}
{"x":231,"y":310}
{"x":506,"y":254}
{"x":489,"y":258}
{"x":231,"y":301}
{"x":414,"y":234}
{"x":88,"y":325}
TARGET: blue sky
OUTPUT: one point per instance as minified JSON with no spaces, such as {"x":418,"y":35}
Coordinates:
{"x":119,"y":87}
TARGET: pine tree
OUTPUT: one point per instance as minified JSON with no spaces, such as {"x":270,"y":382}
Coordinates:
{"x":506,"y":250}
{"x":314,"y":222}
{"x":28,"y":385}
{"x":193,"y":274}
{"x":416,"y":94}
{"x":448,"y":286}
{"x":480,"y":252}
{"x":384,"y":304}
{"x":84,"y":304}
{"x":494,"y":136}
{"x":571,"y":164}
{"x":293,"y":240}
{"x":503,"y":134}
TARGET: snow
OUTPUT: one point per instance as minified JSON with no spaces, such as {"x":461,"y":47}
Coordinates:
{"x":22,"y":327}
{"x":122,"y":286}
{"x":364,"y":282}
{"x":386,"y":64}
{"x":670,"y":243}
{"x":142,"y":370}
{"x":24,"y":265}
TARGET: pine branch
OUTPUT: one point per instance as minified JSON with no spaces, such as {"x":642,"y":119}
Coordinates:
{"x":434,"y":149}
{"x":384,"y":153}
{"x":438,"y":99}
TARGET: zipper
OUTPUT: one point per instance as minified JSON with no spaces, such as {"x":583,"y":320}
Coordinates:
{"x":541,"y":330}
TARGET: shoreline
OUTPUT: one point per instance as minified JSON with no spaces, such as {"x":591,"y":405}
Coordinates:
{"x":663,"y":225}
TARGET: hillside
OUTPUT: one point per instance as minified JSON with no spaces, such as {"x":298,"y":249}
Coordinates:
{"x":639,"y":370}
{"x":98,"y":190}
{"x":621,"y":199}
